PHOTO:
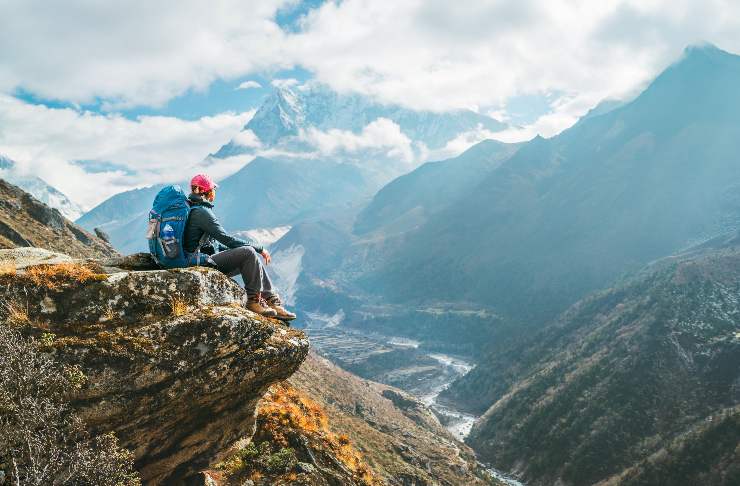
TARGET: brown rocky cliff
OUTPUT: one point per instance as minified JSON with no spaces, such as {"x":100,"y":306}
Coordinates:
{"x":173,"y":363}
{"x":26,"y":221}
{"x":326,"y":427}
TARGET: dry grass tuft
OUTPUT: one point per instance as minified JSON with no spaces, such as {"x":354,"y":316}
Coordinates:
{"x":343,"y":439}
{"x":52,"y":276}
{"x":255,"y":476}
{"x":108,"y":315}
{"x":7,"y":269}
{"x":285,"y":410}
{"x":285,"y":407}
{"x":289,"y":422}
{"x":15,"y":315}
{"x":178,"y":306}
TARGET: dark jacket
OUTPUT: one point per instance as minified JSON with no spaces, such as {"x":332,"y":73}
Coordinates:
{"x":202,"y":221}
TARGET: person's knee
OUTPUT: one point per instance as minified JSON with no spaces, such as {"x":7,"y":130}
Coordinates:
{"x":248,"y":254}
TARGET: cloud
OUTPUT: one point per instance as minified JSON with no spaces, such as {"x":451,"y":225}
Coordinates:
{"x":247,"y":138}
{"x":46,"y":142}
{"x":462,"y":142}
{"x":436,"y":55}
{"x":284,"y":83}
{"x":137,"y":52}
{"x":251,"y":84}
{"x":422,"y":54}
{"x":382,"y":134}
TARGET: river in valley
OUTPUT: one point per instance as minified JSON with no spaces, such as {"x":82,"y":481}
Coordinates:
{"x":405,"y":364}
{"x":457,"y":422}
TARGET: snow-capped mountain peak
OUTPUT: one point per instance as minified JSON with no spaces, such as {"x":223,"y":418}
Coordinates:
{"x":289,"y":111}
{"x":39,"y":189}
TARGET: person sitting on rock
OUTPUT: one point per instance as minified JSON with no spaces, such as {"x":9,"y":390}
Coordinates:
{"x":229,"y":254}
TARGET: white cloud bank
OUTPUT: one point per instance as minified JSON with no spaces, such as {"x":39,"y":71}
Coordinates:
{"x":425,"y":54}
{"x":381,"y":134}
{"x":437,"y":54}
{"x":430,"y":54}
{"x":44,"y":141}
{"x":137,"y":52}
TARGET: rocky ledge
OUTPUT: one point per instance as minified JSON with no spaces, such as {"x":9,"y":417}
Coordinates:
{"x":172,"y":362}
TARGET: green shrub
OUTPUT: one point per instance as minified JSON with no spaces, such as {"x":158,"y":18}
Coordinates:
{"x":281,"y":462}
{"x":42,"y":441}
{"x":262,"y":458}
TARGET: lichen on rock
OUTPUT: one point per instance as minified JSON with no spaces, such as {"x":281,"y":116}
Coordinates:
{"x":173,"y":362}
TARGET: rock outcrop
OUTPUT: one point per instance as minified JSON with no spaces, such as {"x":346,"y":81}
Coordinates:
{"x":173,"y":363}
{"x":26,"y":221}
{"x":399,"y":438}
{"x":294,"y":444}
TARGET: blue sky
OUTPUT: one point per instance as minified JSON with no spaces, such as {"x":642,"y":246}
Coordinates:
{"x":220,"y":96}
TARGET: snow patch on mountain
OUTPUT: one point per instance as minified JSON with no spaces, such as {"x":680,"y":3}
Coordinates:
{"x":264,"y":236}
{"x":312,"y":118}
{"x":286,"y":268}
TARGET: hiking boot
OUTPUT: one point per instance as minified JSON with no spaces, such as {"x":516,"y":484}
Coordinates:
{"x":258,"y":305}
{"x":281,"y":312}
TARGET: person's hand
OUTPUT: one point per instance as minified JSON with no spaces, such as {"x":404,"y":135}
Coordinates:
{"x":266,"y":255}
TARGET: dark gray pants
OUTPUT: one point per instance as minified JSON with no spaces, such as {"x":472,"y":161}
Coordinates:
{"x":245,"y":261}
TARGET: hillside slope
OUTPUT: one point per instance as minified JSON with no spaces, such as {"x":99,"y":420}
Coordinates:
{"x":39,"y":188}
{"x":568,"y":215}
{"x":620,"y":376}
{"x":343,"y":430}
{"x":413,"y":198}
{"x":25,"y":221}
{"x":400,"y":438}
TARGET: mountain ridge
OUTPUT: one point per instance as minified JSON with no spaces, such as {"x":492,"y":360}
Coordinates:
{"x":287,"y":110}
{"x":620,"y":374}
{"x":322,"y":182}
{"x":26,"y":221}
{"x":40,"y":189}
{"x":569,"y":214}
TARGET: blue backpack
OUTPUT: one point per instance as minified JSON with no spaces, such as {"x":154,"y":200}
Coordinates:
{"x":167,"y":221}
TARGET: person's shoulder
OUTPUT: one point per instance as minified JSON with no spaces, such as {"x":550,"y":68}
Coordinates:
{"x":202,"y":211}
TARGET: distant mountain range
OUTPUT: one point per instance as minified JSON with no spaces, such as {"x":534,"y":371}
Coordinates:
{"x":263,"y":194}
{"x":498,"y":252}
{"x":42,"y":191}
{"x":292,"y":182}
{"x":287,"y":111}
{"x":561,"y":217}
{"x":123,"y":217}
